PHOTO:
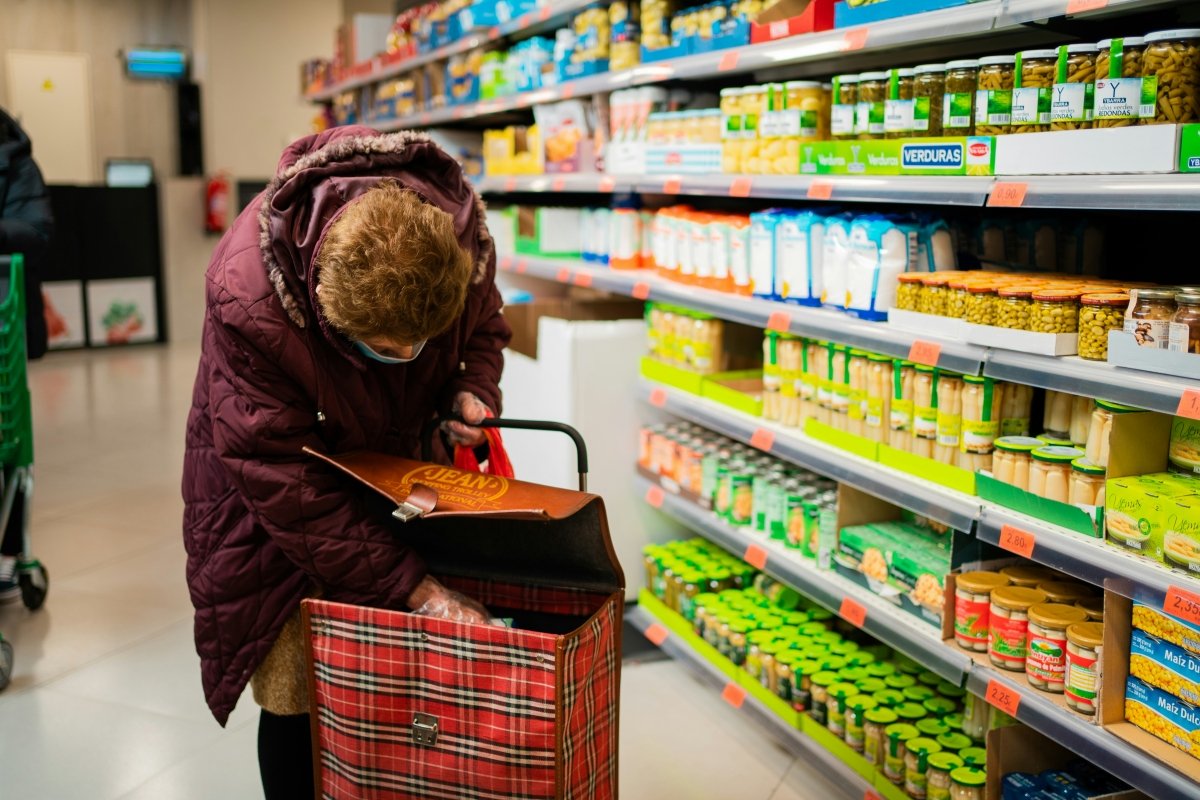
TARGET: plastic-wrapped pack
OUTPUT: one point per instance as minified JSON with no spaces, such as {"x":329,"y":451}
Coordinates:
{"x":835,"y":261}
{"x":799,"y":253}
{"x":880,"y":249}
{"x":763,"y":251}
{"x":935,"y":245}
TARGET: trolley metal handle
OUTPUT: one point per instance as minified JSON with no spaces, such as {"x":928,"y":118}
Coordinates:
{"x":581,"y":458}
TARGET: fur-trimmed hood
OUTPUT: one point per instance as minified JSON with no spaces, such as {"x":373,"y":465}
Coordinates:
{"x":320,"y":174}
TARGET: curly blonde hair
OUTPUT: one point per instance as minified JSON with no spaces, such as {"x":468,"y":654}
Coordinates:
{"x":391,"y":266}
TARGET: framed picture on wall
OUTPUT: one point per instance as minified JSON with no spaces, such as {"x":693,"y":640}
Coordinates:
{"x":122,"y":311}
{"x":64,"y":314}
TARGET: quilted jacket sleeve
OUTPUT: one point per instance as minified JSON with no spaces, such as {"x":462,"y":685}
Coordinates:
{"x":26,"y":221}
{"x":483,"y":352}
{"x":261,"y":422}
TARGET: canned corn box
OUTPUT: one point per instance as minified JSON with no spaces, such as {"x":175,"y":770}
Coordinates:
{"x":1165,"y":666}
{"x":1171,"y":629}
{"x":1163,"y":715}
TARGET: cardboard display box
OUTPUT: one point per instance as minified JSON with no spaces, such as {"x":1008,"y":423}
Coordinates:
{"x":1100,"y":151}
{"x":846,"y":15}
{"x":964,"y":155}
{"x":1016,"y":748}
{"x":524,"y":317}
{"x":1123,"y":351}
{"x":790,"y":18}
{"x":1042,"y":344}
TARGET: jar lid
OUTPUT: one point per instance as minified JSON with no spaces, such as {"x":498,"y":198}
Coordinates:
{"x":1086,"y":634}
{"x":964,"y":63}
{"x":1056,"y":454}
{"x":1082,"y":47}
{"x":994,"y":60}
{"x":935,"y":278}
{"x":925,"y":68}
{"x":910,"y":711}
{"x":976,"y":379}
{"x":1054,"y":441}
{"x":890,"y":697}
{"x":1056,"y":615}
{"x":844,"y":690}
{"x":901,"y":731}
{"x":862,"y":702}
{"x":825,"y":678}
{"x":918,"y":694}
{"x":870,"y":685}
{"x":1088,"y":467}
{"x":1156,"y":294}
{"x":1188,"y":298}
{"x":1056,"y":295}
{"x":929,"y":678}
{"x":1094,"y":606}
{"x":981,"y":582}
{"x":954,"y":741}
{"x":932,"y":727}
{"x":974,"y":756}
{"x":880,"y":669}
{"x":981,"y":287}
{"x":1036,"y":54}
{"x":969,"y":776}
{"x":1127,"y":41}
{"x":856,"y":353}
{"x":789,"y":657}
{"x":904,"y":73}
{"x":924,"y":368}
{"x":1105,"y":299}
{"x":911,"y":277}
{"x":945,"y":761}
{"x":1017,"y":598}
{"x":922,"y":746}
{"x":802,"y":85}
{"x":881,"y":716}
{"x":1018,"y":444}
{"x":774,"y":646}
{"x":941,"y":706}
{"x":1069,"y":592}
{"x":1177,"y":33}
{"x":872,"y":76}
{"x":1018,"y":290}
{"x":878,"y":357}
{"x":955,"y":721}
{"x":848,"y":78}
{"x":948,"y":689}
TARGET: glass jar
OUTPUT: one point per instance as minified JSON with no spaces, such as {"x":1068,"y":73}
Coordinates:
{"x":1149,"y":315}
{"x":958,"y":104}
{"x":839,"y":387}
{"x":1032,"y":94}
{"x":737,"y":642}
{"x":934,"y":293}
{"x":805,"y":102}
{"x":1082,"y":682}
{"x":929,"y":90}
{"x":901,"y":415}
{"x":1081,"y":419}
{"x":768,"y":654}
{"x":916,"y":764}
{"x":872,"y":96}
{"x":879,"y":397}
{"x":908,"y":291}
{"x":785,"y":662}
{"x":897,"y":736}
{"x":924,"y":421}
{"x":898,"y":107}
{"x":855,"y":722}
{"x":994,"y":95}
{"x":972,"y":600}
{"x":982,"y":399}
{"x":1056,"y":417}
{"x":1050,"y":472}
{"x":981,"y":303}
{"x":838,"y":695}
{"x":1028,"y":576}
{"x":810,"y":379}
{"x":1072,"y":103}
{"x":1008,"y":625}
{"x":845,"y":101}
{"x":1093,"y":607}
{"x":1054,"y":311}
{"x":1171,"y":71}
{"x":1046,"y":663}
{"x":1118,"y":82}
{"x":949,"y":417}
{"x":856,"y":414}
{"x":932,"y":727}
{"x":1067,"y":593}
{"x":1087,"y":483}
{"x":818,"y":699}
{"x":956,"y":297}
{"x":968,"y":783}
{"x":1015,"y":303}
{"x":940,"y":707}
{"x":937,"y":779}
{"x":1184,"y":333}
{"x":875,"y":720}
{"x":824,"y":371}
{"x":1015,"y":409}
{"x":975,"y":717}
{"x":1099,"y":313}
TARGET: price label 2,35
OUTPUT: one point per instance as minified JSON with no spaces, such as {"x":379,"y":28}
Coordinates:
{"x":1015,"y":540}
{"x":1003,"y":697}
{"x":1182,"y":604}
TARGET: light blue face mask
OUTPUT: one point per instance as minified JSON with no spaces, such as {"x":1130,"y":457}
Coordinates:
{"x":382,"y":359}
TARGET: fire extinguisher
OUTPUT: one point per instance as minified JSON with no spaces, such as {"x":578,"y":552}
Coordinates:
{"x":216,"y":206}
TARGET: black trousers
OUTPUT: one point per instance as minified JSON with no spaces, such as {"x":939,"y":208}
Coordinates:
{"x":285,"y":756}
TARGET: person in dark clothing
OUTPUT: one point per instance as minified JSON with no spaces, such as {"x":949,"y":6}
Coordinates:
{"x":26,"y":224}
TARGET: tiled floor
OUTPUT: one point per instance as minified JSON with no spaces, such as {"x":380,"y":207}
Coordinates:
{"x":106,"y":703}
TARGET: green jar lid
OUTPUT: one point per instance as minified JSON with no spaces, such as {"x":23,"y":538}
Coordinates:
{"x":945,"y":761}
{"x":880,"y":716}
{"x":825,"y":678}
{"x":954,"y":741}
{"x":969,"y":776}
{"x":907,"y":665}
{"x":844,"y":648}
{"x":890,"y":697}
{"x":940,"y":706}
{"x":773,"y":647}
{"x":869,"y":685}
{"x":813,"y":629}
{"x":928,"y":678}
{"x":910,"y":712}
{"x":1116,"y":408}
{"x":948,"y":689}
{"x":900,"y":681}
{"x":761,"y":637}
{"x":829,"y":637}
{"x":789,"y":657}
{"x":1018,"y":444}
{"x":841,"y":690}
{"x":1088,"y":467}
{"x":862,"y":702}
{"x":832,"y":662}
{"x":820,"y":615}
{"x":806,"y":667}
{"x":902,"y":731}
{"x":953,"y":721}
{"x":739,"y":626}
{"x":852,"y":674}
{"x":861,"y":658}
{"x":973,"y":756}
{"x":918,"y":694}
{"x":706,"y":598}
{"x":795,"y":618}
{"x":1056,"y":454}
{"x":933,"y":728}
{"x":770,"y":622}
{"x":880,"y":669}
{"x":922,"y":745}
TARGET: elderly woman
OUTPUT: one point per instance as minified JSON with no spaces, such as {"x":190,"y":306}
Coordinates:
{"x":352,"y":301}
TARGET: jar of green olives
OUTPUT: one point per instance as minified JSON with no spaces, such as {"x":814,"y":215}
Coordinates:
{"x":1012,"y":310}
{"x":908,"y":291}
{"x":981,"y":303}
{"x":1054,"y":311}
{"x":934,"y":291}
{"x":1098,"y":314}
{"x":994,"y":95}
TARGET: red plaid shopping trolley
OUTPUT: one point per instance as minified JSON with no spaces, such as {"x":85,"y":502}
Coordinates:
{"x":412,"y":707}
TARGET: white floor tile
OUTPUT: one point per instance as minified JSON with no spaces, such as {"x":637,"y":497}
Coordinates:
{"x":226,"y":769}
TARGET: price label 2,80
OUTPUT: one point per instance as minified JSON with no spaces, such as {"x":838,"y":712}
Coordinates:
{"x":1017,"y":541}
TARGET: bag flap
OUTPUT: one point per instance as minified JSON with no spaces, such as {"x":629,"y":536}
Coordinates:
{"x":485,"y":526}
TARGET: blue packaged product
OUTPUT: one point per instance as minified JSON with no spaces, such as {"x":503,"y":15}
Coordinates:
{"x":935,"y":245}
{"x":1165,"y":666}
{"x":881,"y":248}
{"x":799,"y":253}
{"x":1175,"y":722}
{"x":1019,"y":786}
{"x":835,"y":262}
{"x":762,"y":252}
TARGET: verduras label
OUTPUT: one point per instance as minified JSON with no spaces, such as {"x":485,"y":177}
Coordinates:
{"x":1072,"y":102}
{"x":1117,"y":98}
{"x":1031,"y":105}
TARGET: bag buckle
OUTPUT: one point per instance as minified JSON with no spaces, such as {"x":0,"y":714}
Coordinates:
{"x":425,"y":730}
{"x":406,"y":512}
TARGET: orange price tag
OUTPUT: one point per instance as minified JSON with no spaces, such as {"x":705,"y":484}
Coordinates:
{"x":820,"y":190}
{"x":728,"y":61}
{"x":607,"y":184}
{"x":740,"y":187}
{"x":564,"y":275}
{"x":494,"y":33}
{"x":510,"y":185}
{"x":734,"y":695}
{"x":657,"y":634}
{"x":1008,"y":194}
{"x":506,"y":262}
{"x":544,"y":13}
{"x":762,"y":440}
{"x":853,"y":612}
{"x":1189,"y":404}
{"x":779,"y":321}
{"x":1017,"y":541}
{"x":658,"y":398}
{"x":755,"y":556}
{"x":672,"y":186}
{"x":1182,"y":604}
{"x":522,"y":265}
{"x":558,"y":184}
{"x":567,"y":91}
{"x":641,"y":291}
{"x":583,"y":279}
{"x":855,"y":39}
{"x":923,"y":352}
{"x":1002,"y":697}
{"x":654,"y":496}
{"x":1080,"y":6}
{"x":871,"y":794}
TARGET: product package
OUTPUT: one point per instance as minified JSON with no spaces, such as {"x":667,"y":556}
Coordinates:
{"x":881,"y":248}
{"x":799,"y":253}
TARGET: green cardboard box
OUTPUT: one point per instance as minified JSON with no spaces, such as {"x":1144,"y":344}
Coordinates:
{"x":963,"y":155}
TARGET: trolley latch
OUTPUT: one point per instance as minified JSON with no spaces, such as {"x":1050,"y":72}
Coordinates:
{"x":406,"y":512}
{"x":420,"y":501}
{"x":425,"y":730}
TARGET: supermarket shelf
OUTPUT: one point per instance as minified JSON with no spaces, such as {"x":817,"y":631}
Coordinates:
{"x":580,"y":182}
{"x":936,"y":190}
{"x":1092,"y":742}
{"x":887,"y":623}
{"x":796,"y":742}
{"x":1111,"y":192}
{"x":1087,"y":559}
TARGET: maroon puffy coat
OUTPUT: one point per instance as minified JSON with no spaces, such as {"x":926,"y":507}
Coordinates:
{"x":263,"y":523}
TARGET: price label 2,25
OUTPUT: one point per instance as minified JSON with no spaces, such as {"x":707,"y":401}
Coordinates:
{"x":1003,"y":697}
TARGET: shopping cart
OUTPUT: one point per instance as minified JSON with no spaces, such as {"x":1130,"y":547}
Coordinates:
{"x":16,"y":443}
{"x":407,"y":706}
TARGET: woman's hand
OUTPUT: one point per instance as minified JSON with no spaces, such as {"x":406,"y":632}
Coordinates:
{"x":473,"y":411}
{"x":432,"y":599}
